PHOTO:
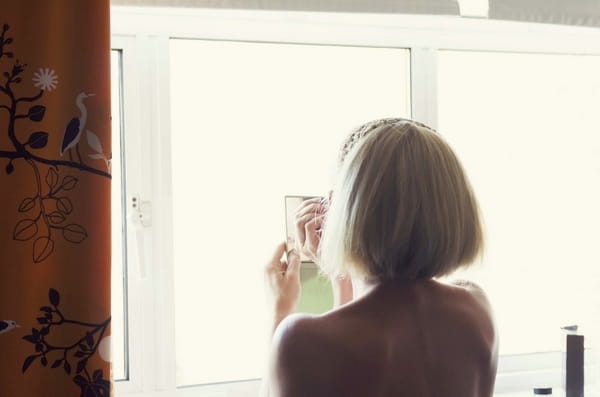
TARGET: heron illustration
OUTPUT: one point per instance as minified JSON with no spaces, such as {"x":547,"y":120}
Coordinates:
{"x":75,"y":128}
{"x":7,"y":325}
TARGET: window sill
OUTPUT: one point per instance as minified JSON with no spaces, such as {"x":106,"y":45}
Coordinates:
{"x":589,"y":392}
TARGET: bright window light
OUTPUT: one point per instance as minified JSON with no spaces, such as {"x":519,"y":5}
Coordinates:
{"x":526,"y":128}
{"x":251,"y":123}
{"x":474,"y":8}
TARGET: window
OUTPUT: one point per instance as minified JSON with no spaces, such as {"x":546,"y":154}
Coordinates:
{"x":225,"y":112}
{"x":528,"y":139}
{"x":252,"y":123}
{"x":525,"y":127}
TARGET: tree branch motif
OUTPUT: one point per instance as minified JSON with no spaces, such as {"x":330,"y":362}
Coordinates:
{"x":73,"y":358}
{"x":49,"y":207}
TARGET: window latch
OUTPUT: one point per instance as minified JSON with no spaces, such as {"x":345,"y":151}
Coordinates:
{"x":141,"y":211}
{"x":141,"y":217}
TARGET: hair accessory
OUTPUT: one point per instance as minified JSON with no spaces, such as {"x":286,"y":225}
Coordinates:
{"x":366,"y":128}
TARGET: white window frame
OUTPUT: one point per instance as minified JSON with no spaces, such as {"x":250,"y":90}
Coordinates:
{"x":150,"y":294}
{"x":143,"y":36}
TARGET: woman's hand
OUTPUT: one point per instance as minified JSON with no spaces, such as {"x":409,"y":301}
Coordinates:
{"x":283,"y":283}
{"x":309,"y":221}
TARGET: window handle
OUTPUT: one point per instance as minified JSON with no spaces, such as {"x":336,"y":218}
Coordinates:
{"x":141,"y":211}
{"x":141,"y":217}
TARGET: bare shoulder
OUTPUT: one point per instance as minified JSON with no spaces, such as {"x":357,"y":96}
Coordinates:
{"x":475,"y":302}
{"x":475,"y":298}
{"x":294,"y":330}
{"x":300,"y":355}
{"x":475,"y":291}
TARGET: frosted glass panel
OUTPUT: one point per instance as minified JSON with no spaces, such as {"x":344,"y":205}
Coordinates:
{"x":252,"y":123}
{"x":527,"y":128}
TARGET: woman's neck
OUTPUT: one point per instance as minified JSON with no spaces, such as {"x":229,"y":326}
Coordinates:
{"x":362,"y":287}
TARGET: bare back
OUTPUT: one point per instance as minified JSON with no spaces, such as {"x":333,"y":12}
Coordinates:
{"x":424,"y":339}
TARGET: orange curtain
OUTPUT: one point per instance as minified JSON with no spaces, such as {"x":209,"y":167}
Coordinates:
{"x":55,"y":198}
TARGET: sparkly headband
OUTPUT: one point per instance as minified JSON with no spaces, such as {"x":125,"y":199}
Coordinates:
{"x":366,"y":128}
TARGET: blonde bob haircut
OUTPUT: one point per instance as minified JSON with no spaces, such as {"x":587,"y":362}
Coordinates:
{"x":402,"y":207}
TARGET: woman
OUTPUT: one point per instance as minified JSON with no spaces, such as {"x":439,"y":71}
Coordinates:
{"x":402,"y":214}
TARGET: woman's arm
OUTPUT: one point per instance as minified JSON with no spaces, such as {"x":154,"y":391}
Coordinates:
{"x":283,"y":284}
{"x":282,"y":279}
{"x":342,"y":291}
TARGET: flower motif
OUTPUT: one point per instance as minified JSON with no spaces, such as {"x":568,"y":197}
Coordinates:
{"x":95,"y":386}
{"x":46,"y":79}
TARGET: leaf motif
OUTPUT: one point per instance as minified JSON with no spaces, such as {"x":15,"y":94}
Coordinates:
{"x":89,"y":338}
{"x":64,"y":205}
{"x":54,"y":297}
{"x":94,"y":141}
{"x":42,"y":320}
{"x":9,"y":168}
{"x":25,"y":230}
{"x":81,"y":365}
{"x":57,"y":363}
{"x":45,"y":331}
{"x":46,"y":309}
{"x":96,"y":156}
{"x":69,"y":182}
{"x":44,"y":361}
{"x":42,"y":248}
{"x":56,"y":217}
{"x":36,"y":113}
{"x":28,"y":361}
{"x":74,"y":233}
{"x":51,"y":178}
{"x":80,"y":380}
{"x":38,"y":140}
{"x":27,"y":204}
{"x":79,"y":353}
{"x":67,"y":367}
{"x":30,"y":339}
{"x":97,"y":374}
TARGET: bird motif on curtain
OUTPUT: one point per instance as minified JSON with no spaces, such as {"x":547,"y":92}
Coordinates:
{"x":7,"y":325}
{"x":75,"y":128}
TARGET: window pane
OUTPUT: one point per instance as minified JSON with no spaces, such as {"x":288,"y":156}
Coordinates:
{"x":526,"y":128}
{"x":118,"y":294}
{"x":252,"y":123}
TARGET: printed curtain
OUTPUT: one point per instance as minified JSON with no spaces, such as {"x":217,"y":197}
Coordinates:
{"x":55,"y":198}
